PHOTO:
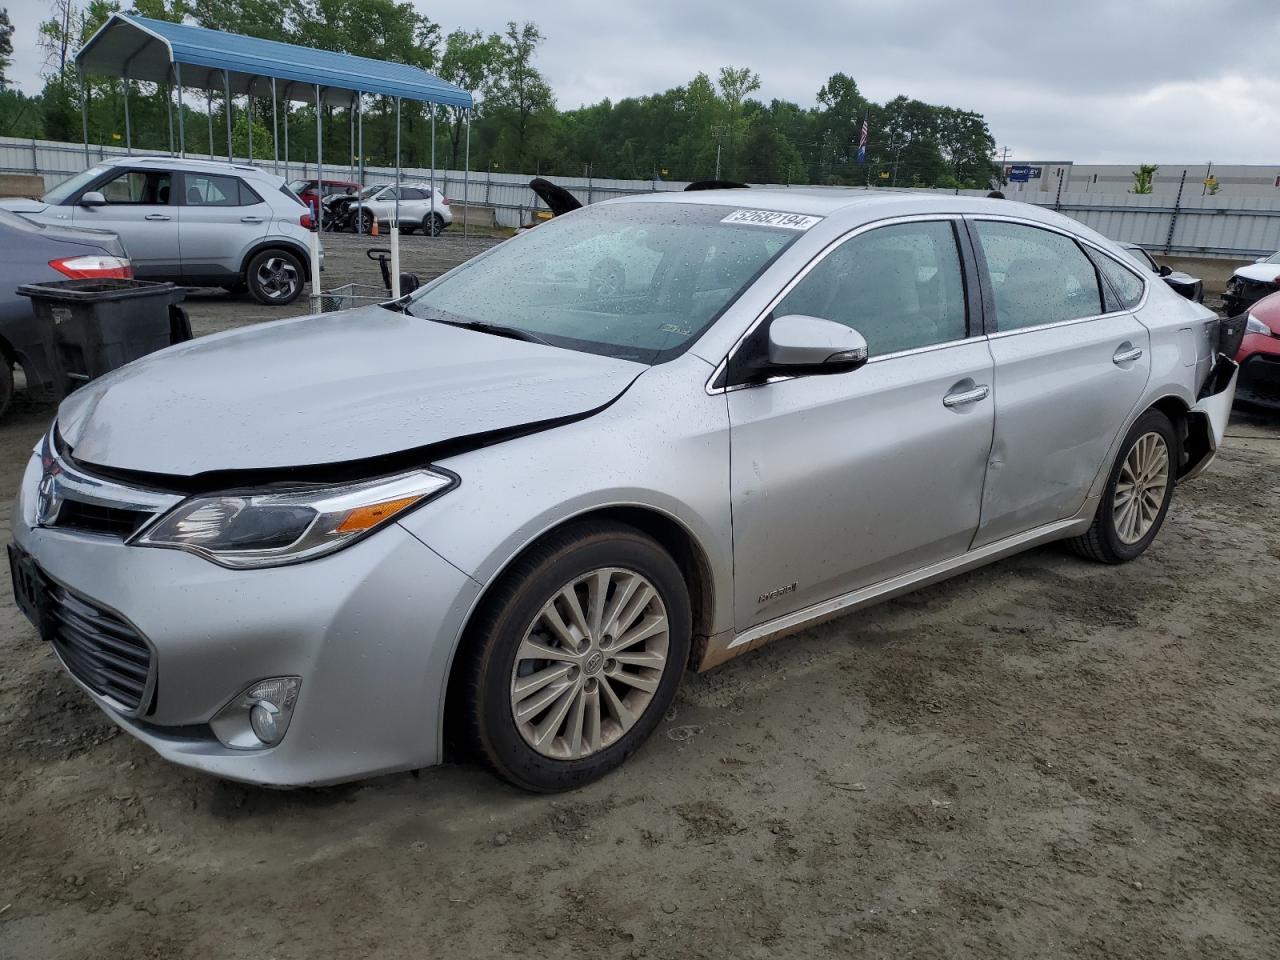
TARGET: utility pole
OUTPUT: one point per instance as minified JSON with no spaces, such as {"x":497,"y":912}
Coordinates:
{"x":718,"y":131}
{"x":897,"y":155}
{"x":1004,"y":165}
{"x":1208,"y":175}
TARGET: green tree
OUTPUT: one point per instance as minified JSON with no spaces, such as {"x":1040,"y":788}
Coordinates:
{"x":521,"y":99}
{"x":473,"y":62}
{"x":1144,"y":178}
{"x":6,"y":47}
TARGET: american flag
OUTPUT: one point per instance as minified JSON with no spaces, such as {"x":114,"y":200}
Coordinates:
{"x":862,"y":141}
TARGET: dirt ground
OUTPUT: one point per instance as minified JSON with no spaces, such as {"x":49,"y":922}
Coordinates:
{"x":1046,"y":758}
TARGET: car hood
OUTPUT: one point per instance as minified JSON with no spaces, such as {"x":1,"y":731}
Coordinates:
{"x":327,"y":389}
{"x":23,"y":205}
{"x":1260,"y":272}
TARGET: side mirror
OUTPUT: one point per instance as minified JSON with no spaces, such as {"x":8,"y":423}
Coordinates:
{"x":93,"y":199}
{"x":800,"y":344}
{"x":1165,"y":271}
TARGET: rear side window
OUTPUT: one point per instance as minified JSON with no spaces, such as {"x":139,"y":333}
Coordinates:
{"x":900,"y":286}
{"x":1125,"y":286}
{"x":248,"y":196}
{"x":1037,"y":276}
{"x":210,"y":190}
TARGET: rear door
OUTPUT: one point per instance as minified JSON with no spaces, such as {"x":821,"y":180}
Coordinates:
{"x":142,"y":210}
{"x":841,"y":481}
{"x":1069,"y":369}
{"x":222,"y":216}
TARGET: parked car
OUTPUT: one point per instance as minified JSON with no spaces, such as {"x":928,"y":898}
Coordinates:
{"x":1251,"y":283}
{"x":192,"y":222}
{"x":309,"y":193}
{"x":514,"y":508}
{"x":417,"y":209}
{"x":38,"y":252}
{"x":1183,"y":283}
{"x":1259,"y":354}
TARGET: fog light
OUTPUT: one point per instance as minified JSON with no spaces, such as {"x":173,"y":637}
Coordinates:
{"x":259,"y":717}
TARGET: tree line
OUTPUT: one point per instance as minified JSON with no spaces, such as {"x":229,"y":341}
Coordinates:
{"x":712,"y":125}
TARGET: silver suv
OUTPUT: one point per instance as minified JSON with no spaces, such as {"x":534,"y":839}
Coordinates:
{"x":192,"y":222}
{"x":514,"y":507}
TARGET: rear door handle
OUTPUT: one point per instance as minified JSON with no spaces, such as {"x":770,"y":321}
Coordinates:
{"x":158,"y":216}
{"x":1127,"y":356}
{"x":250,"y":219}
{"x":963,"y":397}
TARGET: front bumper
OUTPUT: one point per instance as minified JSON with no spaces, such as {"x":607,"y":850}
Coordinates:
{"x":1260,"y":370}
{"x":370,"y":630}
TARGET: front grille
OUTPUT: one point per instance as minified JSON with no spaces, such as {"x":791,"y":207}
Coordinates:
{"x":104,"y":652}
{"x":92,"y":518}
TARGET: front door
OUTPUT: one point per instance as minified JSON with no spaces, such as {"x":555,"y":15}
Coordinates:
{"x":1069,"y":372}
{"x":841,"y":481}
{"x":143,"y":212}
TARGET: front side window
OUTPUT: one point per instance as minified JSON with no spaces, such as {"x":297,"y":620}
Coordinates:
{"x":137,"y":187}
{"x":1037,"y":276}
{"x":638,"y":281}
{"x":1126,"y":286}
{"x":208,"y":190}
{"x":901,"y":287}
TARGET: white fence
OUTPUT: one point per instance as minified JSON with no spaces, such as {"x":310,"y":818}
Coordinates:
{"x":1228,"y":227}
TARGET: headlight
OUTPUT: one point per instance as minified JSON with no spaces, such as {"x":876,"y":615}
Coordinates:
{"x":268,"y":529}
{"x":1254,"y":325}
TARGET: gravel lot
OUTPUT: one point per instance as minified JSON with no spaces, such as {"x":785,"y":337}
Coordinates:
{"x":1045,"y":758}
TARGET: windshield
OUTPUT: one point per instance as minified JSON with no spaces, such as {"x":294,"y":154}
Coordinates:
{"x":633,"y":281}
{"x":77,"y":183}
{"x":368,"y":192}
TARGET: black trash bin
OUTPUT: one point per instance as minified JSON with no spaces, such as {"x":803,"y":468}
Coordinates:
{"x":91,"y":327}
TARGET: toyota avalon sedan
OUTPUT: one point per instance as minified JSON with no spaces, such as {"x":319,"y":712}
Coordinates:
{"x":513,"y":508}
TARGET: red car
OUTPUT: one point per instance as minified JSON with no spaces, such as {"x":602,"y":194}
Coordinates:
{"x":308,"y":194}
{"x":1259,"y":354}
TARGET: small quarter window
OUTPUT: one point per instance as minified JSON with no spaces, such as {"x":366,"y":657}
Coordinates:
{"x":1124,"y":283}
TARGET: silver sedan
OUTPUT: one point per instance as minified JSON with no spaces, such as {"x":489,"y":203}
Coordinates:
{"x":643,"y":438}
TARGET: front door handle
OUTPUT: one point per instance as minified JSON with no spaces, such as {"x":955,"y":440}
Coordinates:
{"x":158,"y":216}
{"x":1127,"y":356}
{"x":250,"y":219}
{"x":964,"y":397}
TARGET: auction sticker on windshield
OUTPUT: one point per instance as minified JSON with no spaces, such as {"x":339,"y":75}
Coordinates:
{"x":772,"y":218}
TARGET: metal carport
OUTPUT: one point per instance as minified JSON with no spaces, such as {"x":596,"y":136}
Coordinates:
{"x":180,"y":55}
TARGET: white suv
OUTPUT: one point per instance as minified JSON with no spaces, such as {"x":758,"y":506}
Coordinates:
{"x":192,"y":222}
{"x":417,"y":209}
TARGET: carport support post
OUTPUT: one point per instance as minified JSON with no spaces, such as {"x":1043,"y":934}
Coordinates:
{"x":395,"y":218}
{"x":319,"y":167}
{"x":466,"y":177}
{"x":208,"y":109}
{"x":168,"y":109}
{"x":182,"y":127}
{"x":128,"y":136}
{"x":433,"y":167}
{"x":226,"y":88}
{"x":84,"y":115}
{"x":275,"y":132}
{"x":360,"y":161}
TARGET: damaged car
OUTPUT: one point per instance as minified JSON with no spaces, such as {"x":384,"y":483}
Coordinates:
{"x":508,"y":512}
{"x":1251,"y":283}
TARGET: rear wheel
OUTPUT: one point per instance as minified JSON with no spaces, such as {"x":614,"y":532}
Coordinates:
{"x":274,"y":277}
{"x":433,"y":224}
{"x":1137,"y":495}
{"x":6,"y":384}
{"x":577,"y":656}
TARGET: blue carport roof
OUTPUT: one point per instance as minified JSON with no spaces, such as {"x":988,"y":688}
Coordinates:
{"x":145,"y":49}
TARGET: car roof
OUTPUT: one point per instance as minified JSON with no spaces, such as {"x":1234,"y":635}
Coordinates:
{"x":857,"y":205}
{"x":191,"y":163}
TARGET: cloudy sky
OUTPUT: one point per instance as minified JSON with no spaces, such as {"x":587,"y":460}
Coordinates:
{"x":1167,"y":81}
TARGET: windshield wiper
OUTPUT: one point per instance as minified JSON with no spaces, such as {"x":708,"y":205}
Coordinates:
{"x":480,"y":326}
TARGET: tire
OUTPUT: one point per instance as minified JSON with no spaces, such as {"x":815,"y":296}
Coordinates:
{"x":433,"y":225}
{"x":501,"y":703}
{"x":363,"y":223}
{"x":407,"y":229}
{"x":6,"y":384}
{"x":275,"y":277}
{"x":1119,"y":535}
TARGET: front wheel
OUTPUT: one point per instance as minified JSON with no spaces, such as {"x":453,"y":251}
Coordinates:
{"x":577,"y":656}
{"x":274,"y":277}
{"x":1137,"y":495}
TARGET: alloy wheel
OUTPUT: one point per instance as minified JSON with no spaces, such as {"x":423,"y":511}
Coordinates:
{"x":589,"y":664}
{"x":1141,"y":488}
{"x":277,"y":278}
